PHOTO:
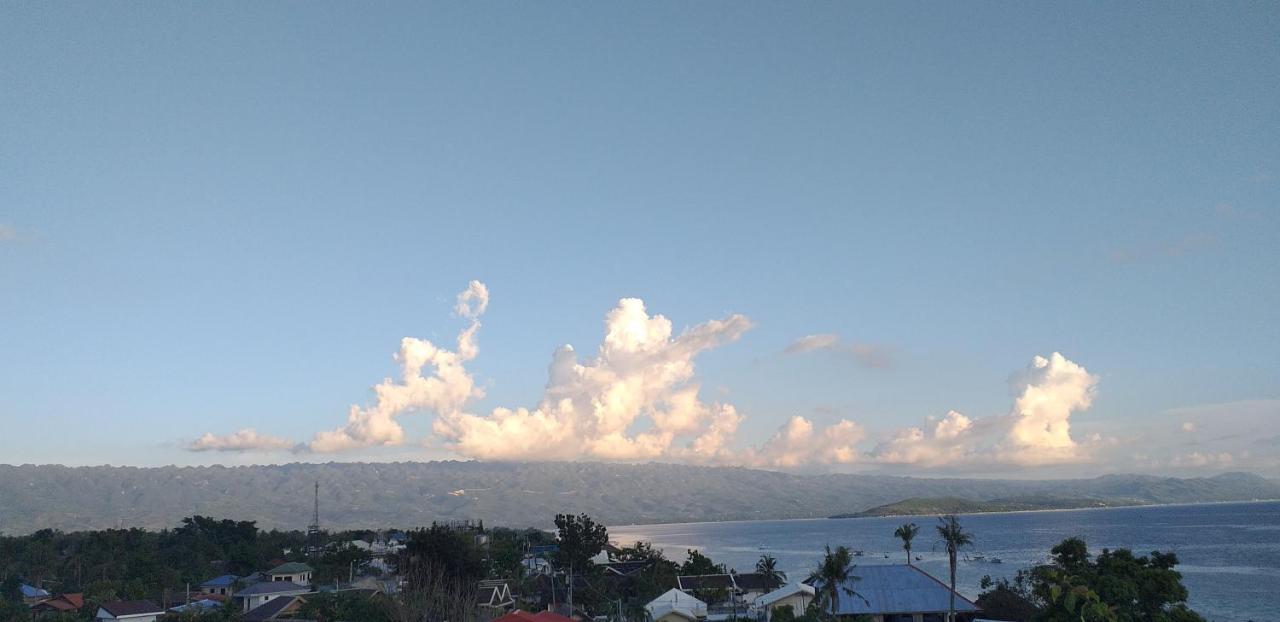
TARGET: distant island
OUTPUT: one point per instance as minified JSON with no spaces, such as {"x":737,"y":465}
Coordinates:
{"x":917,"y":506}
{"x":410,"y":494}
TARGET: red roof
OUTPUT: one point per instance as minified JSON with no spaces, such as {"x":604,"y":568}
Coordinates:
{"x":524,"y":616}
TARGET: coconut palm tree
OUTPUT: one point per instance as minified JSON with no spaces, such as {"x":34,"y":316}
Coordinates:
{"x":768,"y":566}
{"x":954,"y":537}
{"x":833,"y":576}
{"x":907,"y":533}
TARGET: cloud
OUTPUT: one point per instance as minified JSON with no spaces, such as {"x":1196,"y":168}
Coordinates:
{"x":1188,"y":426}
{"x":1197,"y":459}
{"x":798,"y":443}
{"x":246,"y":439}
{"x":1036,"y":431}
{"x":7,"y":232}
{"x":865,"y":354}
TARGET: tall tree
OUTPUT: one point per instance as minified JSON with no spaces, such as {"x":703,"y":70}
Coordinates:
{"x":906,"y":533}
{"x":580,"y":539}
{"x":767,"y":565}
{"x":832,"y":577}
{"x":955,"y":538}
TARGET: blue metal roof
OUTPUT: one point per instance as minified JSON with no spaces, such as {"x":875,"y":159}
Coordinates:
{"x":897,"y":589}
{"x":31,"y":591}
{"x":224,"y":580}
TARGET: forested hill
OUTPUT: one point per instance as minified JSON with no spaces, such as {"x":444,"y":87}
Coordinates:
{"x":408,"y":494}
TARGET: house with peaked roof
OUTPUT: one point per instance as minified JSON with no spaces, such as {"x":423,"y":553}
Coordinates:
{"x":129,"y":611}
{"x":62,"y":603}
{"x":796,"y":596}
{"x":494,"y":594}
{"x":292,"y":572}
{"x":274,"y":609}
{"x":730,"y":593}
{"x":900,"y":593}
{"x":525,"y":616}
{"x":676,"y":605}
{"x":221,"y":585}
{"x":256,"y":595}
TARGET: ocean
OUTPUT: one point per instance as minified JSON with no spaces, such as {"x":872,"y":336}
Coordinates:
{"x":1229,"y":553}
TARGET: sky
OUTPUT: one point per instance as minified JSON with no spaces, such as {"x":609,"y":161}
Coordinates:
{"x":996,"y":239}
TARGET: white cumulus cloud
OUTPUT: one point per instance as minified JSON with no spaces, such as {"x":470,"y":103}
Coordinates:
{"x":1036,"y":431}
{"x":247,"y":439}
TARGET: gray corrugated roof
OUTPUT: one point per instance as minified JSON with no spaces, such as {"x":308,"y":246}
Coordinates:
{"x":271,"y":587}
{"x":268,"y":610}
{"x":897,"y":589}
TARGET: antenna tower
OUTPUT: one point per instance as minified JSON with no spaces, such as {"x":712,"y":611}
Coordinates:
{"x":313,"y":530}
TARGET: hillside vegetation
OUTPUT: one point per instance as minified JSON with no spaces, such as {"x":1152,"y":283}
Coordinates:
{"x":409,"y":494}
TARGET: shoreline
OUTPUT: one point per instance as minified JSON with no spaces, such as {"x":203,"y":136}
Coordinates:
{"x":1079,"y":509}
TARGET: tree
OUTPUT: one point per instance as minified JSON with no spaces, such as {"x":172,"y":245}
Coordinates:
{"x":580,"y":539}
{"x":907,"y":533}
{"x":1129,"y":588}
{"x":696,"y":563}
{"x":833,"y":576}
{"x":768,"y":566}
{"x":1005,"y":600}
{"x":954,"y":537}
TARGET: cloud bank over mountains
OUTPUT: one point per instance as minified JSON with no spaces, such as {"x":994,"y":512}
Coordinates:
{"x":637,"y":399}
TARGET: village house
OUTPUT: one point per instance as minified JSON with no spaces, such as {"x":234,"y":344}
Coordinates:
{"x":675,"y":605}
{"x":292,"y":572}
{"x":255,"y":596}
{"x":62,"y":603}
{"x":222,"y":585}
{"x":729,"y":594}
{"x":795,"y":597}
{"x":129,"y":611}
{"x":494,"y":595}
{"x":274,"y":609}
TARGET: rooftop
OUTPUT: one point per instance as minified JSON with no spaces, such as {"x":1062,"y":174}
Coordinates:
{"x":121,"y":608}
{"x":897,"y":589}
{"x":290,"y":568}
{"x":272,"y":587}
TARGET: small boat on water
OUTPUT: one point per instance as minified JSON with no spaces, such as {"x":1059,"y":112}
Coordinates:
{"x":979,"y":558}
{"x":995,"y":560}
{"x":886,"y":556}
{"x":857,"y":553}
{"x":918,"y":558}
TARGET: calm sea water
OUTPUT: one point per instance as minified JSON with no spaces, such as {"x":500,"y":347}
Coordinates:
{"x":1229,"y":552}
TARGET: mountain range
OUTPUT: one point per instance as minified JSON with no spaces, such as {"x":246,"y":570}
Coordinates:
{"x":410,"y":494}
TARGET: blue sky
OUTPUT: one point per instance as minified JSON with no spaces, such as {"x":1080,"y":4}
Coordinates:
{"x":228,"y":216}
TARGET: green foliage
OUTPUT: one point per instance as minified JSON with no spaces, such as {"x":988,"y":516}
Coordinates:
{"x":443,"y":549}
{"x":331,"y":607}
{"x":697,"y":563}
{"x":1005,"y":600}
{"x":906,"y":532}
{"x":831,"y":579}
{"x":767,"y":565}
{"x":1116,"y":586}
{"x":134,"y":563}
{"x":580,"y":539}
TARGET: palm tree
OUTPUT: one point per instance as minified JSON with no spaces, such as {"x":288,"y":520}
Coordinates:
{"x":832,"y":576}
{"x":955,"y":537}
{"x":907,"y":533}
{"x":768,"y":566}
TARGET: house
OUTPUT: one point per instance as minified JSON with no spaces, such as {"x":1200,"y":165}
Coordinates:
{"x":899,"y":593}
{"x":222,"y":585}
{"x":62,"y":603}
{"x":797,"y":596}
{"x":494,"y":594}
{"x":197,"y":606}
{"x":255,"y":596}
{"x":676,"y":605}
{"x":292,"y":572}
{"x":274,"y":609}
{"x":129,"y":611}
{"x":731,"y":592}
{"x":626,"y":569}
{"x":525,"y":616}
